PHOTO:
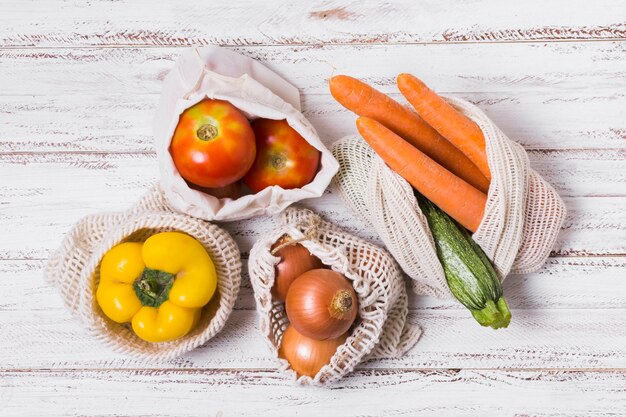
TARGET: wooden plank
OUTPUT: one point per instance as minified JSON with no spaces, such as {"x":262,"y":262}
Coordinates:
{"x":141,"y":22}
{"x":75,"y":138}
{"x":174,"y":392}
{"x":594,"y":226}
{"x":586,"y":69}
{"x":105,"y":122}
{"x":42,"y":195}
{"x":563,"y":283}
{"x":542,"y":338}
{"x":573,"y":173}
{"x":551,"y":119}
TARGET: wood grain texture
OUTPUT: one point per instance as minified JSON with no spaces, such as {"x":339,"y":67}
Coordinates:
{"x":569,"y":315}
{"x":563,"y":283}
{"x":174,"y":392}
{"x":104,"y":99}
{"x":513,"y":68}
{"x":79,"y":82}
{"x":143,"y":22}
{"x":43,"y":194}
{"x":541,"y":338}
{"x":115,"y":123}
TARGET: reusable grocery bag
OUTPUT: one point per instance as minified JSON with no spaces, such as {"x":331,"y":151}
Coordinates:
{"x":522,"y":218}
{"x":218,"y":73}
{"x":75,"y":270}
{"x":382,"y":329}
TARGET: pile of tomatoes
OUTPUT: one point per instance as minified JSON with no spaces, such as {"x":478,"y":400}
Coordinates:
{"x":215,"y":148}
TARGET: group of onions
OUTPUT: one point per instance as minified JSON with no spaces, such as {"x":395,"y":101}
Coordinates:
{"x":321,"y":306}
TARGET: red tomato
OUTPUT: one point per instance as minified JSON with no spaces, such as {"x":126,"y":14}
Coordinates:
{"x":213,"y":144}
{"x":232,"y":191}
{"x":283,"y":157}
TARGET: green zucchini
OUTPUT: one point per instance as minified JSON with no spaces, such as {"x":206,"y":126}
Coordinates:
{"x":470,"y":275}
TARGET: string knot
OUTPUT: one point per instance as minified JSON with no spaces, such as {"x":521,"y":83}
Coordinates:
{"x":307,"y":227}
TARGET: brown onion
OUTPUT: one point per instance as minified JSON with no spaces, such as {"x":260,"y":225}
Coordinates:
{"x":305,"y":355}
{"x":295,"y":260}
{"x":321,"y":304}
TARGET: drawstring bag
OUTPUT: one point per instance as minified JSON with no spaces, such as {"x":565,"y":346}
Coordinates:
{"x":217,"y":73}
{"x":381,"y":329}
{"x":522,"y":218}
{"x":74,"y":269}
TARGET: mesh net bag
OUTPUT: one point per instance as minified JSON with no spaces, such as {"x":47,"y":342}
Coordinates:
{"x":74,"y":269}
{"x":382,"y":330}
{"x":522,"y":219}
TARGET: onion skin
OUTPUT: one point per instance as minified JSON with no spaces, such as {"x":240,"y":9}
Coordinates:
{"x":307,"y":356}
{"x":321,"y":304}
{"x":294,"y":261}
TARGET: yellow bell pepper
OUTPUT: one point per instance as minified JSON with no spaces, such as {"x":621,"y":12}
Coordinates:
{"x":160,"y":285}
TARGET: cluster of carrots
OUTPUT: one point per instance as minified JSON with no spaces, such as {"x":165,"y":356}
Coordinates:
{"x":438,"y":150}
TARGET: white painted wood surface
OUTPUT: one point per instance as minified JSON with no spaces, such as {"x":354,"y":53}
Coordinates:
{"x":208,"y":392}
{"x":79,"y":82}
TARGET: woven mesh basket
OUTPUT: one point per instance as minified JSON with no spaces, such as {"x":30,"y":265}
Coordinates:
{"x":382,"y":329}
{"x":522,"y":219}
{"x":75,"y":267}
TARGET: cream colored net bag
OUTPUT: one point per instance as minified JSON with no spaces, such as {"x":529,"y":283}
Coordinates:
{"x":382,"y":330}
{"x":522,"y":219}
{"x":74,"y":270}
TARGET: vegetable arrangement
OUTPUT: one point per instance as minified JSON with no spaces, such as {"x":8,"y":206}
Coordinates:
{"x":160,"y":286}
{"x":215,"y":148}
{"x":321,"y":306}
{"x":442,"y":154}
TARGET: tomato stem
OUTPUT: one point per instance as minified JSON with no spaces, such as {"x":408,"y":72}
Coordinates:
{"x":207,"y":132}
{"x":278,"y":161}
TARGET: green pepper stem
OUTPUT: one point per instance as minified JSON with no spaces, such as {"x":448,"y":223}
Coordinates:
{"x":153,"y":287}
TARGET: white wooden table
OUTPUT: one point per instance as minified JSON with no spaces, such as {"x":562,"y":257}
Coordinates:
{"x":79,"y":83}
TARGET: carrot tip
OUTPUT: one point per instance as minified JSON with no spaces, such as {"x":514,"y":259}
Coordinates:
{"x":405,"y":79}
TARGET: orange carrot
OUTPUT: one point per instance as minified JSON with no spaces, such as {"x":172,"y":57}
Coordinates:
{"x":456,"y":197}
{"x":450,"y":123}
{"x":369,"y":102}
